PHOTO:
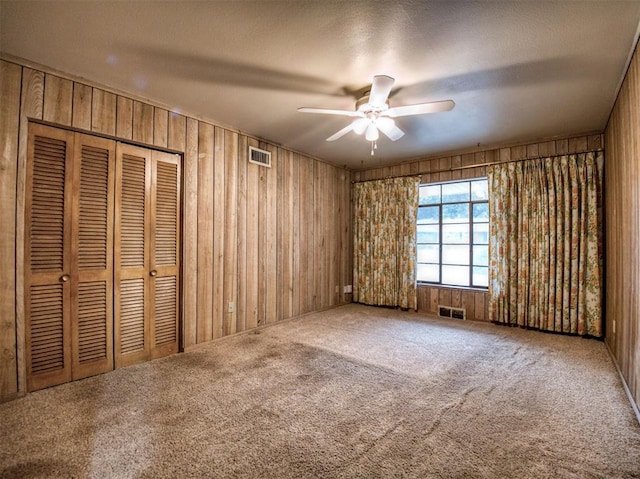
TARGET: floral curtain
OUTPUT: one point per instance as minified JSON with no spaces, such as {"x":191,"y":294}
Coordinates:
{"x":545,"y":245}
{"x":384,"y":271}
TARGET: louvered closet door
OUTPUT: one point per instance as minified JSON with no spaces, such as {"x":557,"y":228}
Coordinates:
{"x":48,"y":256}
{"x":132,"y":253}
{"x":146,"y":254}
{"x":165,"y":240}
{"x":92,"y":265}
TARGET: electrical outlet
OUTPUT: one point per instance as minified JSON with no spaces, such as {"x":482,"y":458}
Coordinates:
{"x":348,"y":289}
{"x":614,"y":326}
{"x":231,"y":308}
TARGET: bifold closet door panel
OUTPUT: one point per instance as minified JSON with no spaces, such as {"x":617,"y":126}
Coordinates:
{"x":165,"y":241}
{"x":48,"y":278}
{"x":132,"y":254}
{"x":146,"y":254}
{"x":92,"y":301}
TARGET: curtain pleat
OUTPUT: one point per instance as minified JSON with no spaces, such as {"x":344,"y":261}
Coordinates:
{"x":385,"y":242}
{"x":545,"y":246}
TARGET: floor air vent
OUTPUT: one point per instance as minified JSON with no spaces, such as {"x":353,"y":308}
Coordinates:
{"x":449,"y":312}
{"x":259,"y":157}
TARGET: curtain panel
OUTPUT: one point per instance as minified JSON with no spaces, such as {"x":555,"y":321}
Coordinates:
{"x":545,"y":245}
{"x":384,"y":271}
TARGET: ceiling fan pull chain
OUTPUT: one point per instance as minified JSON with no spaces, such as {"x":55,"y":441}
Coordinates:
{"x":372,"y":148}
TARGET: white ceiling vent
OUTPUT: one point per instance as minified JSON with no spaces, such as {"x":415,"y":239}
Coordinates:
{"x":259,"y":157}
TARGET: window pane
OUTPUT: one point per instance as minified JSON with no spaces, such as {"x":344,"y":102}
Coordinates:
{"x":480,"y":190}
{"x":428,"y":215}
{"x":481,"y":233}
{"x":428,"y":233}
{"x":456,"y":233}
{"x":481,"y":212}
{"x":428,"y":253}
{"x":455,"y":254}
{"x":458,"y":213}
{"x":481,"y":255}
{"x":453,"y":192}
{"x":480,"y":276}
{"x":455,"y":275}
{"x":430,"y":194}
{"x":428,"y":272}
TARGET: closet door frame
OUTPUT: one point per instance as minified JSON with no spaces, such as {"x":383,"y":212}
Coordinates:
{"x":70,"y":251}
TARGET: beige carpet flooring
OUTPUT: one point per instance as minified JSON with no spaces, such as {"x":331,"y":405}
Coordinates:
{"x":351,"y":392}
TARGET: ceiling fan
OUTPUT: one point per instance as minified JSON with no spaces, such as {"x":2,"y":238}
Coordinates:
{"x":373,"y":113}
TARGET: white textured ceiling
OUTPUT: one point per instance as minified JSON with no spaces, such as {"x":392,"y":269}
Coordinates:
{"x":517,"y":70}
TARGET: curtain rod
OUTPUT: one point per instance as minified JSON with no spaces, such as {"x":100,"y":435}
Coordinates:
{"x":479,"y":165}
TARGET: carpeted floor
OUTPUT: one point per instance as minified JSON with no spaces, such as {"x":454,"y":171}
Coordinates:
{"x":351,"y":392}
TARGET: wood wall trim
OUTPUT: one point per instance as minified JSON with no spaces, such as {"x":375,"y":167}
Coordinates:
{"x":622,"y":224}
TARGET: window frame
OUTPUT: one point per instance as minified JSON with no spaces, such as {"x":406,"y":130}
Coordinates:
{"x":470,"y":229}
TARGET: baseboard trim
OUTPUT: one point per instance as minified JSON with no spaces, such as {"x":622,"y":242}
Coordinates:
{"x":624,"y":383}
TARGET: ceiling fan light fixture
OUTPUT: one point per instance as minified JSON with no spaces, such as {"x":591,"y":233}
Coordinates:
{"x":372,"y":132}
{"x":360,"y":125}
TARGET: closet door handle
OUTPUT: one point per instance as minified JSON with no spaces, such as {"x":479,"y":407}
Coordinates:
{"x":153,"y":272}
{"x":64,"y":278}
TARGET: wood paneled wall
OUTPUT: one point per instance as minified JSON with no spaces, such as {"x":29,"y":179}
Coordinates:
{"x":275,"y":242}
{"x":447,"y":168}
{"x":622,"y":213}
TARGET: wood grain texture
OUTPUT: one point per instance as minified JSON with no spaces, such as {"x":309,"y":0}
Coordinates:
{"x":124,"y":120}
{"x":230,"y":287}
{"x":473,"y":301}
{"x":252,"y":242}
{"x":143,"y":122}
{"x":103,"y":112}
{"x":241,"y":309}
{"x":10,"y":80}
{"x":177,"y":132}
{"x":31,"y":106}
{"x":190,"y":235}
{"x":219,"y":208}
{"x":271,"y":238}
{"x":205,"y":232}
{"x":82,"y":104}
{"x":160,"y":127}
{"x":622,"y":223}
{"x":58,"y":100}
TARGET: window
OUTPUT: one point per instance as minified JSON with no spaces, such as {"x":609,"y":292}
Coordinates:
{"x":453,"y":233}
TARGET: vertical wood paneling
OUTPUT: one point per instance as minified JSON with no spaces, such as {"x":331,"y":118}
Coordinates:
{"x":271,"y":237}
{"x":231,"y":232}
{"x":205,"y":232}
{"x":296,"y":243}
{"x":219,"y":208}
{"x":143,"y":122}
{"x":82,"y":104}
{"x":252,"y":243}
{"x":160,"y":127}
{"x":473,"y":301}
{"x":31,"y":106}
{"x":241,"y":315}
{"x":306,"y":242}
{"x":103,"y":112}
{"x":10,"y":79}
{"x":622,"y":204}
{"x":58,"y":100}
{"x":177,"y":132}
{"x":190,"y":236}
{"x":124,"y":120}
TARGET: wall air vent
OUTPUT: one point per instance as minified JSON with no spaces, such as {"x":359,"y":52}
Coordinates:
{"x":449,"y":312}
{"x":259,"y":157}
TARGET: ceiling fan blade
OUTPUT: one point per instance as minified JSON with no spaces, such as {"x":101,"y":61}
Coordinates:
{"x":341,"y":133}
{"x":324,"y":111}
{"x":389,"y":128}
{"x":380,"y":89}
{"x":419,"y":109}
